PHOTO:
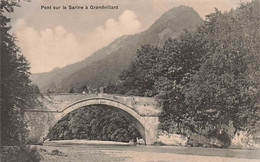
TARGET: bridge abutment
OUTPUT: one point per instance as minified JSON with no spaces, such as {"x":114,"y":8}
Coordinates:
{"x":151,"y":130}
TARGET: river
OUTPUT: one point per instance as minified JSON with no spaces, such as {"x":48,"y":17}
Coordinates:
{"x":115,"y":153}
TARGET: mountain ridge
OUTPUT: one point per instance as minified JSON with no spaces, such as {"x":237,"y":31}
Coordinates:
{"x":105,"y":65}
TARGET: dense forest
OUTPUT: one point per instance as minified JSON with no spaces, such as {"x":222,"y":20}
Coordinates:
{"x":206,"y":81}
{"x":96,"y":122}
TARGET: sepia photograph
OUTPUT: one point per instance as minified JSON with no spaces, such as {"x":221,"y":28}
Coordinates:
{"x":130,"y":81}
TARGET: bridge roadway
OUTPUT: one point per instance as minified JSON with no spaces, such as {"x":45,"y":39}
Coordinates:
{"x":143,"y":112}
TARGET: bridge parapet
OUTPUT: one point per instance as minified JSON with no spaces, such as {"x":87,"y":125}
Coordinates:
{"x":144,"y":106}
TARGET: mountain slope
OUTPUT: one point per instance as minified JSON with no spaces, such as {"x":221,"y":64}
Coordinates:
{"x":105,"y":65}
{"x":50,"y":80}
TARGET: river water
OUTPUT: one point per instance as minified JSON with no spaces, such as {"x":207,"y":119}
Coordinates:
{"x":116,"y":153}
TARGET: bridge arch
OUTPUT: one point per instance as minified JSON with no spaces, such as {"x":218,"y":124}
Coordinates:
{"x":147,"y":126}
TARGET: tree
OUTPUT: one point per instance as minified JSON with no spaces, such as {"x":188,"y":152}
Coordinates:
{"x":225,"y":90}
{"x":110,"y":88}
{"x":139,"y":78}
{"x":180,"y":58}
{"x":17,"y":92}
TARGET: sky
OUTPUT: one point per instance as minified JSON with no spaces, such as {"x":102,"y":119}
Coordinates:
{"x":52,"y":38}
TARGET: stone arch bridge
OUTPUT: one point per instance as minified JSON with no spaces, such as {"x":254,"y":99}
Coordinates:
{"x":143,"y":112}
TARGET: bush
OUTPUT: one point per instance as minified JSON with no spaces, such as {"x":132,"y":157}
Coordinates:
{"x":19,"y":154}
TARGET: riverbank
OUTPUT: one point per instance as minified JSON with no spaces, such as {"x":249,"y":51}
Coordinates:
{"x":114,"y":152}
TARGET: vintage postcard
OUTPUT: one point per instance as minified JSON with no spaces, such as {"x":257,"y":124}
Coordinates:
{"x":130,"y":80}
